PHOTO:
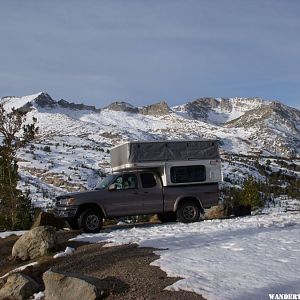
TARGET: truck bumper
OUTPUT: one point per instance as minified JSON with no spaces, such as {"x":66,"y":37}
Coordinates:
{"x":65,"y":212}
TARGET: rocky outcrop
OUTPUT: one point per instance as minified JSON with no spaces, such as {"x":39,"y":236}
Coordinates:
{"x":35,"y":243}
{"x":157,"y":109}
{"x":199,"y":108}
{"x":65,"y":104}
{"x":122,"y":106}
{"x":45,"y":100}
{"x":18,"y":287}
{"x":48,"y":219}
{"x":71,"y":287}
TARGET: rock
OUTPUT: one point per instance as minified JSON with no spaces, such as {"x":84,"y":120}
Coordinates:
{"x":48,"y":219}
{"x":65,"y":104}
{"x":216,"y":212}
{"x":122,"y":106}
{"x":154,"y":219}
{"x":2,"y":282}
{"x":159,"y":109}
{"x":18,"y":287}
{"x":45,"y":100}
{"x":71,"y":287}
{"x":35,"y":243}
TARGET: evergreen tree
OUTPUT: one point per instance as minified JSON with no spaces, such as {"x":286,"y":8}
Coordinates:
{"x":15,"y":208}
{"x":250,"y":194}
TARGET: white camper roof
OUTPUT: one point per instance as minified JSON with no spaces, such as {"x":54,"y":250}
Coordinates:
{"x":155,"y":153}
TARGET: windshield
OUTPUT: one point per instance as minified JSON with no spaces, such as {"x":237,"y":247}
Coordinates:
{"x":105,"y":182}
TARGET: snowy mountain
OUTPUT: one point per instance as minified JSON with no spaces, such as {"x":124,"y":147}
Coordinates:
{"x":71,"y":150}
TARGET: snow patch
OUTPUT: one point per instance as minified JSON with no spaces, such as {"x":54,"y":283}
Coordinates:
{"x":242,"y":258}
{"x":68,"y":251}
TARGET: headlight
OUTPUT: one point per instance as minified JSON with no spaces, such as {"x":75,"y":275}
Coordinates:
{"x":67,"y":201}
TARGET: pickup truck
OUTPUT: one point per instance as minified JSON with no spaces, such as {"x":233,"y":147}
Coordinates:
{"x":135,"y":192}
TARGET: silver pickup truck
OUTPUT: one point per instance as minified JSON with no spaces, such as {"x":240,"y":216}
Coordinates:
{"x":171,"y":188}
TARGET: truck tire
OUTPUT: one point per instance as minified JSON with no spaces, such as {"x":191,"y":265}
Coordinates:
{"x":91,"y":221}
{"x":188,"y":212}
{"x":167,"y":217}
{"x":73,"y":223}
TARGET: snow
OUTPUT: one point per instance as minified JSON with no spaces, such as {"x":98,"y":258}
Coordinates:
{"x":242,"y":258}
{"x":17,"y":102}
{"x":39,"y":296}
{"x":6,"y":234}
{"x":68,"y":251}
{"x":19,"y":269}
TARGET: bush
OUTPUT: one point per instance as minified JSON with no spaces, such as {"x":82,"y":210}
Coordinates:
{"x":250,"y":194}
{"x":47,"y":149}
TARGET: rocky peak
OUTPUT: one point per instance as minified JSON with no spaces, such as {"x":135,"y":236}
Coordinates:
{"x":199,"y":108}
{"x":122,"y":106}
{"x":71,"y":105}
{"x":160,"y":108}
{"x":206,"y":101}
{"x":44,"y":100}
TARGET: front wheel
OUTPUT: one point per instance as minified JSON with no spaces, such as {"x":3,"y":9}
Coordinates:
{"x":188,"y":212}
{"x":91,"y":221}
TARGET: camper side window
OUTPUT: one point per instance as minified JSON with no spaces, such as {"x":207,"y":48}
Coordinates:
{"x":185,"y":174}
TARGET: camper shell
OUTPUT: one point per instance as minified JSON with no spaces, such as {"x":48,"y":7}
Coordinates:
{"x":172,"y":160}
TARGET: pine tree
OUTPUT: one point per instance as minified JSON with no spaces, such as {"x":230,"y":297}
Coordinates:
{"x":250,"y":194}
{"x":14,"y":134}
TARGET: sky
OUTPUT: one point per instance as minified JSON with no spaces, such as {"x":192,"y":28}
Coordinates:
{"x":142,"y":52}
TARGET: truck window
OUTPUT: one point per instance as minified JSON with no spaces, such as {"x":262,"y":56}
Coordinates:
{"x":126,"y":181}
{"x":182,"y":174}
{"x":148,"y":180}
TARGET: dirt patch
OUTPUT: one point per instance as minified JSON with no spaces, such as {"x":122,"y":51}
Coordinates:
{"x":125,"y":270}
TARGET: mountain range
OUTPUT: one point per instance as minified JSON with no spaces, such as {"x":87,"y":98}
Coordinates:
{"x":79,"y":136}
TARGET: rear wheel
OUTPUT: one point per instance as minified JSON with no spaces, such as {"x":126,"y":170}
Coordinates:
{"x":91,"y":221}
{"x":189,"y":211}
{"x":167,"y":217}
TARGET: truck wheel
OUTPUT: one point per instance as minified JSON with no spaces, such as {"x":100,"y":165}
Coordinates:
{"x":73,"y":223}
{"x":91,"y":221}
{"x":188,"y":212}
{"x":167,"y":217}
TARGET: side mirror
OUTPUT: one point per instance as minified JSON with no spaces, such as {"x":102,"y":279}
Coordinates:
{"x":112,"y":187}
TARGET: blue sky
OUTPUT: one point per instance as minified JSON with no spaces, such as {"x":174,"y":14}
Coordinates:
{"x":97,"y":52}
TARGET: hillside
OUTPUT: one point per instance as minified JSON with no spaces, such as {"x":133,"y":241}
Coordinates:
{"x":71,"y":151}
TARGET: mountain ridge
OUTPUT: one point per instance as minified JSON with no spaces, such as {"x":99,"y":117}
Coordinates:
{"x":270,"y":126}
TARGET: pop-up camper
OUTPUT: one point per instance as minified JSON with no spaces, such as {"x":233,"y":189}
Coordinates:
{"x":177,"y":180}
{"x":177,"y":162}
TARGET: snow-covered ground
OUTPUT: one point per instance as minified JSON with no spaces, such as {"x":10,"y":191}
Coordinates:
{"x":242,"y":258}
{"x":5,"y":234}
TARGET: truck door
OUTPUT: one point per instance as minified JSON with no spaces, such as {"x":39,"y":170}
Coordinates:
{"x":125,"y":199}
{"x":151,"y":192}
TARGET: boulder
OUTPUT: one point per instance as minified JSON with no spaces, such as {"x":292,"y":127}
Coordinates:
{"x":35,"y":243}
{"x":18,"y":287}
{"x":71,"y":287}
{"x":216,"y":212}
{"x":48,"y":219}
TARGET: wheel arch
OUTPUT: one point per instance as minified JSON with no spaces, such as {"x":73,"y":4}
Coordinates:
{"x":90,"y":205}
{"x":180,"y":200}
